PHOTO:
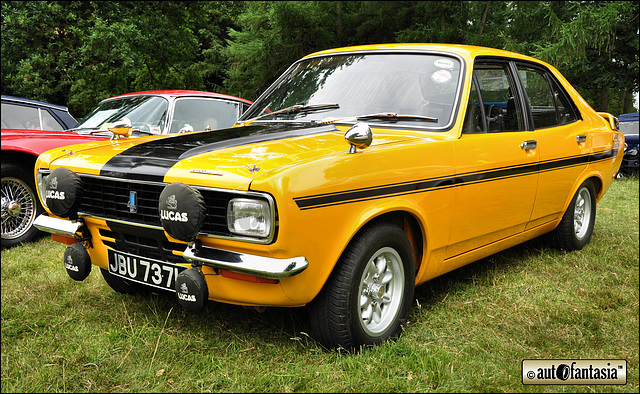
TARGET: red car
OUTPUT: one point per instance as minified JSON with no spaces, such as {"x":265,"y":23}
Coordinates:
{"x":28,"y":132}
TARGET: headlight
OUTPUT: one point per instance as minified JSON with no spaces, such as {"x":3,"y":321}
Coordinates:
{"x":249,"y":217}
{"x":633,"y":151}
{"x":41,"y":179}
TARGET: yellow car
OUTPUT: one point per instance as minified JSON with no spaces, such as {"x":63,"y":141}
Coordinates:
{"x":359,"y":174}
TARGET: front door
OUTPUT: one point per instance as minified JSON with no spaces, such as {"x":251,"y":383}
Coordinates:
{"x":496,"y":164}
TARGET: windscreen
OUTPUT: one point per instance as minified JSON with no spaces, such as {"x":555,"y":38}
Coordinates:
{"x":349,"y":86}
{"x":146,"y":113}
{"x":629,"y":128}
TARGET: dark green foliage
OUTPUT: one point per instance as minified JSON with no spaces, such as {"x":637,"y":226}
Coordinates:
{"x":77,"y":53}
{"x":271,"y":37}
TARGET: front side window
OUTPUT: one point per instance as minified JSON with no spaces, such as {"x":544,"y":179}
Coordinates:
{"x":345,"y":87}
{"x":549,"y":105}
{"x":493,"y":106}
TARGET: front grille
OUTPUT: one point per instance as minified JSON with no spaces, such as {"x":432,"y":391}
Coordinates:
{"x":151,"y":244}
{"x":107,"y":198}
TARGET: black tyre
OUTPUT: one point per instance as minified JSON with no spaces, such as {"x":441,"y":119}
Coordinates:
{"x":576,"y":226}
{"x":20,"y":205}
{"x":123,"y":286}
{"x":367,"y":298}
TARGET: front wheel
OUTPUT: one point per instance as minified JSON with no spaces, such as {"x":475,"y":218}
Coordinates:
{"x":576,"y":226}
{"x":20,"y":205}
{"x":367,"y":298}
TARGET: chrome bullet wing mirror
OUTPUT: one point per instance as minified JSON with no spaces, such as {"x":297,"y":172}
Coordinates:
{"x":359,"y":137}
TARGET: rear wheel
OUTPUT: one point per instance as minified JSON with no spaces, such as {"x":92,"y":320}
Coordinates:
{"x":20,"y":205}
{"x":367,"y":298}
{"x":576,"y":226}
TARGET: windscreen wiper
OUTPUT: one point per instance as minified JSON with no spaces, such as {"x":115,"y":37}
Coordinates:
{"x":92,"y":131}
{"x":76,"y":129}
{"x":149,"y":132}
{"x":396,"y":117}
{"x":297,"y":108}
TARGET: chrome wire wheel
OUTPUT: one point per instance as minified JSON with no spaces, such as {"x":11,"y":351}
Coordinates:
{"x":582,"y":213}
{"x":381,"y":291}
{"x":18,"y":208}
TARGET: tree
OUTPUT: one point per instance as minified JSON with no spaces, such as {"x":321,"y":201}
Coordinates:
{"x":594,"y":44}
{"x":77,"y":53}
{"x":273,"y":35}
{"x":39,"y":44}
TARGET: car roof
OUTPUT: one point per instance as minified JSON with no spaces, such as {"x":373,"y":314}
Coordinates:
{"x":628,"y":117}
{"x":34,"y":102}
{"x":469,"y":50}
{"x":183,"y":93}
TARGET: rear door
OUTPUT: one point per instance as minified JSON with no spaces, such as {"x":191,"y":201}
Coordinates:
{"x":563,"y":145}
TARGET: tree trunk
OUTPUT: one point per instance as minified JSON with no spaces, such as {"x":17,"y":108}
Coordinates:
{"x":628,"y":102}
{"x":484,"y":19}
{"x":338,"y":23}
{"x":604,"y":99}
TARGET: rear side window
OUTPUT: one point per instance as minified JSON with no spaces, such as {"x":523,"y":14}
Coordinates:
{"x":30,"y":118}
{"x":549,"y":104}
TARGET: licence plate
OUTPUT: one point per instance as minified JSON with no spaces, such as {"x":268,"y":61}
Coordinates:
{"x":151,"y":272}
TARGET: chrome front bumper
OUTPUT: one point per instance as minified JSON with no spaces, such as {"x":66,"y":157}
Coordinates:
{"x":265,"y":267}
{"x":58,"y":226}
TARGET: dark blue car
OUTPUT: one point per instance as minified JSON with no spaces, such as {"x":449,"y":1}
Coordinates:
{"x":629,"y":127}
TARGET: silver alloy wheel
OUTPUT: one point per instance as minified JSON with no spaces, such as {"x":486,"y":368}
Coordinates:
{"x":381,"y":291}
{"x":18,"y":208}
{"x":582,"y":213}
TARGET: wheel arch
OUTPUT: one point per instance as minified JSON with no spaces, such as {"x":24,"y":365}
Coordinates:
{"x":410,"y":225}
{"x":598,"y":185}
{"x":22,"y":203}
{"x":21,"y":158}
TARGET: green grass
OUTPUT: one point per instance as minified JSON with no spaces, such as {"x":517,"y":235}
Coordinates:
{"x":469,"y":330}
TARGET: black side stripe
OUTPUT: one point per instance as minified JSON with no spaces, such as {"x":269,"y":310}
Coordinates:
{"x":425,"y":185}
{"x":355,"y":195}
{"x":572,"y":161}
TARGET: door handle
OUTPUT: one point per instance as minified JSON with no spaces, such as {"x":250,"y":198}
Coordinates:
{"x":528,"y":144}
{"x":581,"y":138}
